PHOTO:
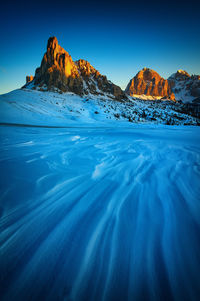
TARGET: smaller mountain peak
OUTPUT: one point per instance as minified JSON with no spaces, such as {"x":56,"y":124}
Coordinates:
{"x":52,"y":43}
{"x":182,"y":72}
{"x":149,"y":82}
{"x":83,"y":61}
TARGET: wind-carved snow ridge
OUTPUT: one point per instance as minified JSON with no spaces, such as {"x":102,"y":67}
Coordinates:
{"x":107,"y":213}
{"x":98,"y":170}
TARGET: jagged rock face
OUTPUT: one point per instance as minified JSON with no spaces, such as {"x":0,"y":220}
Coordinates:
{"x":29,"y":78}
{"x":184,"y":86}
{"x":86,"y":69}
{"x":58,"y":70}
{"x":96,"y":83}
{"x":149,"y":82}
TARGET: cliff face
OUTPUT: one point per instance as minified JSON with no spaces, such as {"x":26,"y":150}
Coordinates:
{"x":149,"y":82}
{"x":96,"y":83}
{"x":58,"y":70}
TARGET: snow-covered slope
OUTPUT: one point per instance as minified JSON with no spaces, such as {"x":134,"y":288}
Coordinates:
{"x":28,"y":106}
{"x":99,"y":214}
{"x":97,"y":200}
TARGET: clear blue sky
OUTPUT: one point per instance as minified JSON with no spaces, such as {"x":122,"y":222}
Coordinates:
{"x":117,"y":38}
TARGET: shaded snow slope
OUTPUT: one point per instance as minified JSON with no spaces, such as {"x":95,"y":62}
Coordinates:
{"x":100,"y":213}
{"x":29,"y":106}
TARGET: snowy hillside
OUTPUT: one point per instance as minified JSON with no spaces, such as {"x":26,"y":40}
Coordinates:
{"x":28,"y":106}
{"x":99,"y":199}
{"x":99,"y":213}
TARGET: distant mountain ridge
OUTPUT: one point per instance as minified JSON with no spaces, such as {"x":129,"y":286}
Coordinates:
{"x":179,"y":86}
{"x":59,"y":71}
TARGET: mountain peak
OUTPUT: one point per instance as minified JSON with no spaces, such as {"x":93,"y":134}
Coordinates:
{"x":148,"y":74}
{"x":182,"y":72}
{"x":180,"y":75}
{"x":149,"y":82}
{"x":184,"y":86}
{"x":52,"y":43}
{"x":87,"y":69}
{"x":58,"y":70}
{"x":147,"y":69}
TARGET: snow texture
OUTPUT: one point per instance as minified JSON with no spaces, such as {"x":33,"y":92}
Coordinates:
{"x":52,"y":108}
{"x":97,"y":211}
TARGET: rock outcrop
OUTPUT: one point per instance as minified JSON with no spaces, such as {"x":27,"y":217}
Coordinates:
{"x":96,"y":83}
{"x":29,"y":78}
{"x":149,"y":82}
{"x":58,"y":70}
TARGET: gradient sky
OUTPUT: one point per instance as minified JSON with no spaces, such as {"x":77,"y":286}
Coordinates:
{"x":117,"y":38}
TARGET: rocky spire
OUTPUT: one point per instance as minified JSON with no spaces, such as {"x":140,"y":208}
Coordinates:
{"x":58,"y":70}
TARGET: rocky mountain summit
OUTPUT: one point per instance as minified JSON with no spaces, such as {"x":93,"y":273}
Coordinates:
{"x":184,"y":86}
{"x":149,"y":82}
{"x":180,"y":75}
{"x":179,"y":86}
{"x":58,"y":70}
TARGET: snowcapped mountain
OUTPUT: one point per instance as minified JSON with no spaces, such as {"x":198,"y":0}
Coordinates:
{"x":64,"y":91}
{"x":179,"y":86}
{"x":58,"y":70}
{"x":185,"y":87}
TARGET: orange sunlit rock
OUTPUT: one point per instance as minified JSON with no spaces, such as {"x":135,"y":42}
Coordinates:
{"x":29,"y":78}
{"x":149,"y":82}
{"x":58,"y":70}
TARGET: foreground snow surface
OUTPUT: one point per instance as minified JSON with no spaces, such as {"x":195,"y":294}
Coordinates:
{"x":100,"y":213}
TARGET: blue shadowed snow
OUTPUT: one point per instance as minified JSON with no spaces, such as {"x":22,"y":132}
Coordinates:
{"x":100,"y":213}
